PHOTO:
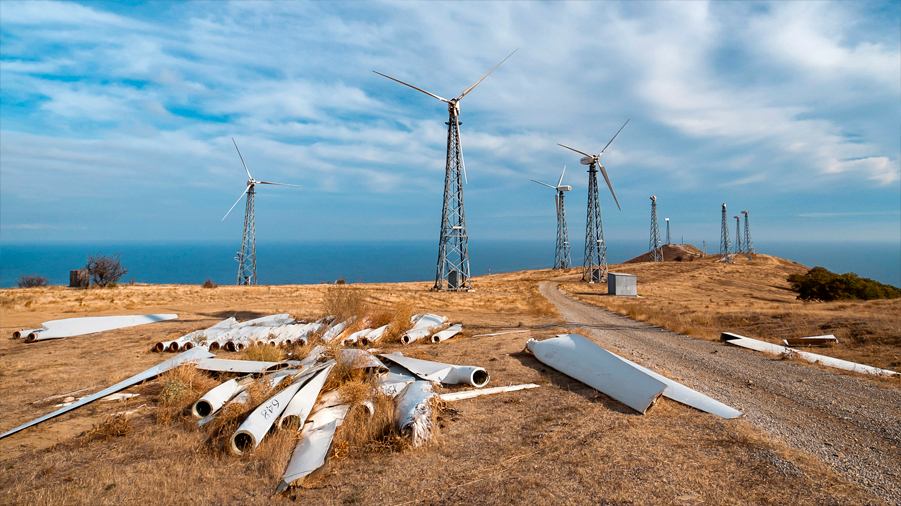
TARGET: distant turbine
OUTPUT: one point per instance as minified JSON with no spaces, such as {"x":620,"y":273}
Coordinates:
{"x":594,"y":263}
{"x":247,"y":257}
{"x":749,"y":246}
{"x":561,"y":257}
{"x":738,"y":248}
{"x":453,"y":256}
{"x":725,"y":245}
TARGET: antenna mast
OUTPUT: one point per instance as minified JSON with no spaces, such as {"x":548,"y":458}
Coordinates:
{"x":667,"y":231}
{"x":725,"y":245}
{"x":738,"y":246}
{"x":749,"y":246}
{"x":654,"y":243}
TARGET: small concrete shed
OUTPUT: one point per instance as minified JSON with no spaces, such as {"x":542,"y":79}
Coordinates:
{"x":622,"y":284}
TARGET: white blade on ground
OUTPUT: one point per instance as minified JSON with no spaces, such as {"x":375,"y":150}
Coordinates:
{"x":469,"y":394}
{"x":582,"y":359}
{"x":310,"y":454}
{"x":193,"y":354}
{"x":439,"y":372}
{"x":239,"y":366}
{"x":302,"y":403}
{"x":69,"y":327}
{"x":413,"y":412}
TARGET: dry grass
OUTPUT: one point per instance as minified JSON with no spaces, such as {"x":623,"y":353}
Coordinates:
{"x":264,"y":353}
{"x":704,"y":298}
{"x":561,"y":443}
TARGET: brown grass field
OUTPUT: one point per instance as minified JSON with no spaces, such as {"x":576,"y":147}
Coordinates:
{"x":563,"y":443}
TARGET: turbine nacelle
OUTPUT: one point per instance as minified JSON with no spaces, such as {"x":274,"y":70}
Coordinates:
{"x":588,"y":160}
{"x":564,"y":188}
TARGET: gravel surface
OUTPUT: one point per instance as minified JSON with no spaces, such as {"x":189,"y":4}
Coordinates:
{"x":851,"y":423}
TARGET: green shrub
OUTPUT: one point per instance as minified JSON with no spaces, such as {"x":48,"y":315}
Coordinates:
{"x":821,"y":284}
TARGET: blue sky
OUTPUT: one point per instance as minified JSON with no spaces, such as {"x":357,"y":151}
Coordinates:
{"x":116,"y":119}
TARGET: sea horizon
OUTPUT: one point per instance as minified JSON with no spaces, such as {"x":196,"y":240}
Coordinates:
{"x":386,"y":261}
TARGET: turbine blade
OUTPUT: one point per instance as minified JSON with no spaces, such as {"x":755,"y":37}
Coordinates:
{"x":414,"y":87}
{"x":236,"y":203}
{"x":561,"y":176}
{"x":604,"y":172}
{"x":460,"y":153}
{"x":557,"y":201}
{"x":242,"y":161}
{"x":614,"y":137}
{"x":573,"y":149}
{"x":486,"y":75}
{"x":279,"y":184}
{"x":545,"y":184}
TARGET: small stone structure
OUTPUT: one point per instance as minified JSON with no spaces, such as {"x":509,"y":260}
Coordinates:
{"x":79,"y":278}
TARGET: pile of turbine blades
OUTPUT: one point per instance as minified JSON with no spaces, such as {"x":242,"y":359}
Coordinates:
{"x":283,"y":330}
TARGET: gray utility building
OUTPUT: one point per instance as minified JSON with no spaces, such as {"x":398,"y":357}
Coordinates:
{"x":622,"y":284}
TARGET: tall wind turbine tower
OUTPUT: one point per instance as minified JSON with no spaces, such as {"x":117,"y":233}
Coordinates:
{"x":453,"y":255}
{"x":667,"y":231}
{"x":749,"y":246}
{"x":738,"y":248}
{"x":247,"y":257}
{"x":654,"y":244}
{"x":725,"y":245}
{"x":561,"y":257}
{"x":594,"y":262}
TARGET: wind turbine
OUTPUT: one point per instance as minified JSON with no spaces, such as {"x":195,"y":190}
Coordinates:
{"x":594,"y":263}
{"x":561,"y":257}
{"x":453,"y":256}
{"x":247,"y":257}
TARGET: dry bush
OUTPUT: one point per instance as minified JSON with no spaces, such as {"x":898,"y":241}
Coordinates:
{"x":400,"y":316}
{"x":209,"y":283}
{"x":263,"y":353}
{"x":31,"y":281}
{"x":105,"y":270}
{"x":344,"y":302}
{"x":361,"y":431}
{"x":179,"y":388}
{"x":344,"y":372}
{"x":117,"y":425}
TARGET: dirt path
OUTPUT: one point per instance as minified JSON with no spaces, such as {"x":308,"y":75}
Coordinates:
{"x":852,"y":423}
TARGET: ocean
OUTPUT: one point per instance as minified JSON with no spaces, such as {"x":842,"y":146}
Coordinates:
{"x":373,"y":262}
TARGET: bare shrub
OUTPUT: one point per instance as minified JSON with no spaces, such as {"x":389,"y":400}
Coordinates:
{"x":344,"y":301}
{"x":105,"y":270}
{"x":32,"y":281}
{"x":209,"y":283}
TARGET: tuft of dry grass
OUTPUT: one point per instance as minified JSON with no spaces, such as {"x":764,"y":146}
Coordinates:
{"x":362,"y":431}
{"x":344,"y":301}
{"x":117,"y":425}
{"x":264,"y":353}
{"x":179,"y":388}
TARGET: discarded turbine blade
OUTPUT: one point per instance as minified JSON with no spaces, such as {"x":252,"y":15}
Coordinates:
{"x":423,"y":327}
{"x":502,"y":333}
{"x":754,"y":344}
{"x":69,"y":327}
{"x":216,"y":398}
{"x":576,"y":150}
{"x":690,"y":397}
{"x":254,"y":428}
{"x":447,"y":333}
{"x":242,"y":162}
{"x":810,"y":341}
{"x":414,"y":412}
{"x":194,"y":354}
{"x":310,"y":455}
{"x":582,"y":359}
{"x":442,"y":373}
{"x":239,"y":366}
{"x":394,"y":382}
{"x":20,"y":334}
{"x":374,"y":335}
{"x":467,"y":90}
{"x":301,"y":404}
{"x":604,"y":172}
{"x":469,"y":394}
{"x":361,"y":359}
{"x":236,"y":203}
{"x":414,"y":87}
{"x":614,"y":137}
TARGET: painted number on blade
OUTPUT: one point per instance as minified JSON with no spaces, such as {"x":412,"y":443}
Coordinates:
{"x":270,"y":409}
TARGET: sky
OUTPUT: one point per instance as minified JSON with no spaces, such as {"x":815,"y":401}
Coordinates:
{"x":117,"y":119}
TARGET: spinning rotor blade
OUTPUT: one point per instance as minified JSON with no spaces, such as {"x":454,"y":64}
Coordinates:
{"x":279,"y":184}
{"x":604,"y":172}
{"x":561,"y":176}
{"x":576,"y":150}
{"x":236,"y":203}
{"x":545,"y":184}
{"x":486,"y":75}
{"x":614,"y":137}
{"x":414,"y":87}
{"x":242,"y":161}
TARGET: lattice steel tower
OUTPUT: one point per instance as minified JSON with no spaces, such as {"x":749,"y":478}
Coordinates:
{"x":738,"y":248}
{"x":654,"y":244}
{"x":725,"y":245}
{"x":749,"y":246}
{"x":247,"y":257}
{"x":667,"y":231}
{"x":452,"y":272}
{"x":594,"y":262}
{"x":561,"y":256}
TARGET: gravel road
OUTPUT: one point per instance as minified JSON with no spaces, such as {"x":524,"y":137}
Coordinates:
{"x":853,"y":424}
